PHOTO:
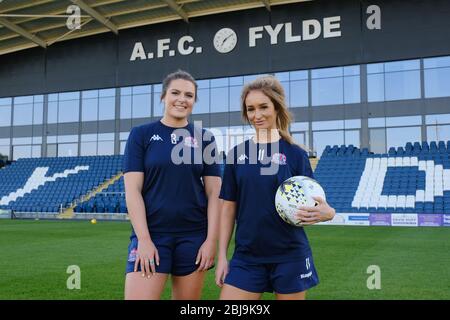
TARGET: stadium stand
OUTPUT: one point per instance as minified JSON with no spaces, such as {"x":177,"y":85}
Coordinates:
{"x":410,"y":179}
{"x":54,"y":184}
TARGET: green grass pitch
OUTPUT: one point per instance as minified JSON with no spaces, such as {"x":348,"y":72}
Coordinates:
{"x":35,"y":255}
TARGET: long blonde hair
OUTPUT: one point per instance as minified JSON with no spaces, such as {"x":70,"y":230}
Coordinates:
{"x":272,"y":88}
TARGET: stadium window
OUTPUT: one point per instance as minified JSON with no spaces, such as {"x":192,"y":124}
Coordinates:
{"x":437,"y":77}
{"x":352,"y":137}
{"x":68,"y":110}
{"x":5,"y":115}
{"x":22,"y":151}
{"x":105,"y":148}
{"x":51,"y":150}
{"x":89,"y":109}
{"x":125,"y":107}
{"x":323,"y":138}
{"x":398,"y":137}
{"x":328,"y":125}
{"x":437,"y":119}
{"x":52,"y":115}
{"x":235,"y":98}
{"x":202,"y":105}
{"x":38,"y":111}
{"x":5,"y":147}
{"x":218,"y":83}
{"x":438,"y":133}
{"x":402,"y":85}
{"x":67,"y":149}
{"x":298,"y":75}
{"x":327,"y":91}
{"x":352,"y":91}
{"x":107,"y":108}
{"x":377,"y":140}
{"x":158,"y":106}
{"x":141,"y":105}
{"x":36,"y":151}
{"x":219,"y":99}
{"x":23,"y":114}
{"x":403,"y":121}
{"x":299,"y":94}
{"x":88,"y":148}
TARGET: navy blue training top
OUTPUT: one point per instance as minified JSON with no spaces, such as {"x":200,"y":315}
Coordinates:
{"x":261,"y":235}
{"x":173,"y":166}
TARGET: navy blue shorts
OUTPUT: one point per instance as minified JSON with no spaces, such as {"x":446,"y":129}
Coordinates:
{"x":177,"y":254}
{"x":283,"y":278}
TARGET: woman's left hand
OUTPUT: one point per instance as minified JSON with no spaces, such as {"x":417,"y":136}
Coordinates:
{"x":206,"y":255}
{"x":321,"y":212}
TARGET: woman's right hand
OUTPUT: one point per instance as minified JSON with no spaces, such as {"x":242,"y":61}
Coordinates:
{"x":146,"y":256}
{"x":221,"y":271}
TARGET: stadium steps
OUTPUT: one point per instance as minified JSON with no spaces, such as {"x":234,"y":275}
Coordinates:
{"x":69,"y":212}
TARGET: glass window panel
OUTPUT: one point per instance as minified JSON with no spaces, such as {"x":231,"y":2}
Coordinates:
{"x":287,"y":92}
{"x":219,"y":99}
{"x":236,"y":81}
{"x":36,"y":151}
{"x":122,"y":147}
{"x":142,"y":89}
{"x":107,"y":92}
{"x":21,"y":152}
{"x":22,"y":100}
{"x":437,"y":82}
{"x":142,"y":105}
{"x":203,"y":84}
{"x":4,"y":141}
{"x":5,"y":116}
{"x":125,"y":107}
{"x":351,"y":71}
{"x":377,"y":122}
{"x":38,"y":113}
{"x":299,"y":75}
{"x":52,"y":115}
{"x":328,"y":125}
{"x":68,"y":111}
{"x":4,"y":151}
{"x":157,"y":88}
{"x":53,"y":97}
{"x":69,"y":96}
{"x":352,"y":137}
{"x":89,"y":110}
{"x":221,"y":82}
{"x":23,"y":114}
{"x":107,"y":108}
{"x":68,"y":138}
{"x":36,"y":140}
{"x":22,"y":141}
{"x":323,"y":138}
{"x":299,"y":126}
{"x":202,"y":105}
{"x":88,"y":149}
{"x":125,"y":91}
{"x":402,"y":85}
{"x":105,"y":136}
{"x":375,"y":87}
{"x":89,"y":137}
{"x":124,"y":135}
{"x":300,"y":138}
{"x":235,"y":98}
{"x":377,"y":140}
{"x":5,"y":101}
{"x":89,"y":94}
{"x":352,"y":124}
{"x":327,"y":72}
{"x":282,"y":76}
{"x":402,"y":65}
{"x":51,"y":150}
{"x":39,"y":98}
{"x":398,"y":137}
{"x":250,"y":78}
{"x":158,"y":106}
{"x":437,"y":118}
{"x":436,"y":62}
{"x":403,"y":121}
{"x":438,"y":133}
{"x":51,"y":139}
{"x":299,"y":94}
{"x":67,"y":150}
{"x":106,"y":148}
{"x":327,"y":91}
{"x":375,"y":68}
{"x":352,"y":91}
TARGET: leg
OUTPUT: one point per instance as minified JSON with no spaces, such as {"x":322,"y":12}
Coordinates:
{"x":188,"y":287}
{"x":139,"y":288}
{"x":233,"y":293}
{"x":291,"y":296}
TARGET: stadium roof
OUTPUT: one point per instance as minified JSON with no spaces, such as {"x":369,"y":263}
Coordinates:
{"x":30,"y":23}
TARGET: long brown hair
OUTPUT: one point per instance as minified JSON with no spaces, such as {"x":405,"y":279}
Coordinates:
{"x":272,"y":88}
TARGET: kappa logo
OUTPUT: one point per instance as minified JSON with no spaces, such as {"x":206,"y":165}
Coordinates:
{"x":156,"y":137}
{"x":242,"y":157}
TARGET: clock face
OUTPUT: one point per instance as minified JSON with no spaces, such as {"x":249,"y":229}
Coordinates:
{"x":225,"y":40}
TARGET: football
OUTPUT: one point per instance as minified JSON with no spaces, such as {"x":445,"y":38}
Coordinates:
{"x":295,"y":192}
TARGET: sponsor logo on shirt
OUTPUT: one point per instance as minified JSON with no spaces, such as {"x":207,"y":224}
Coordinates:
{"x":156,"y":137}
{"x":279,"y":158}
{"x":190,"y":142}
{"x":242,"y":157}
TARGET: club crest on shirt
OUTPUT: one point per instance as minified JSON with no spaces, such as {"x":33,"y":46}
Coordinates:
{"x":279,"y":158}
{"x":190,"y":142}
{"x":132,"y":255}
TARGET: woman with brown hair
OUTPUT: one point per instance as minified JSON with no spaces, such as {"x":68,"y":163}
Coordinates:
{"x":270,"y":255}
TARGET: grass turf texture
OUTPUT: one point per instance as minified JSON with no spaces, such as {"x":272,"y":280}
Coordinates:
{"x":414,"y":262}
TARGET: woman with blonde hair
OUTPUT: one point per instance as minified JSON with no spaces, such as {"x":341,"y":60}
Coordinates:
{"x":270,"y":255}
